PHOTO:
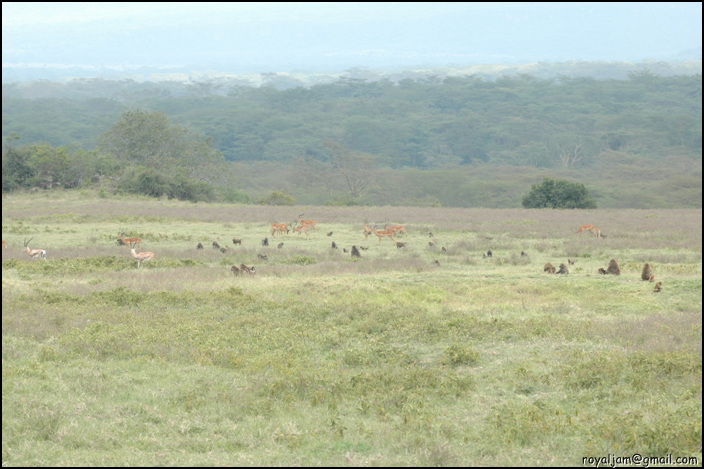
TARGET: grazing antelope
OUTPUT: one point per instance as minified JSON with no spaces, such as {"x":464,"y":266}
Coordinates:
{"x":583,"y":228}
{"x":34,"y":253}
{"x":657,"y":287}
{"x":355,"y":252}
{"x":141,"y":256}
{"x":367,"y":232}
{"x":200,"y":246}
{"x":236,"y":241}
{"x":279,"y":228}
{"x":382,"y":234}
{"x":122,"y":241}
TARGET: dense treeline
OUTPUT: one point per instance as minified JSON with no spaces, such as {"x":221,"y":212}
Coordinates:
{"x":342,"y":135}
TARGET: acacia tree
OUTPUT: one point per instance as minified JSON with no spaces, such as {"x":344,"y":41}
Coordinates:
{"x":558,"y":194}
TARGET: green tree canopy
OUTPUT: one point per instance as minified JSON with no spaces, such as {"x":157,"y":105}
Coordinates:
{"x":558,"y":194}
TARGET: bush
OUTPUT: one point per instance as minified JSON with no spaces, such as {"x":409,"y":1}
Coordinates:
{"x":558,"y":194}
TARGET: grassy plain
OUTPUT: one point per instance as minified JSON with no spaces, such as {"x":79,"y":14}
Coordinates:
{"x":321,"y":359}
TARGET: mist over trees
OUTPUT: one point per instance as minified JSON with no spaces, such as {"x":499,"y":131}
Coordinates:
{"x":344,"y":142}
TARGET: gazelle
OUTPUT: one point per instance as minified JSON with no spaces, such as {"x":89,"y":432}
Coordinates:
{"x":34,"y":253}
{"x":583,"y":228}
{"x":4,"y":244}
{"x":382,"y":234}
{"x":311,"y":223}
{"x":396,"y":228}
{"x":303,"y":228}
{"x":141,"y":256}
{"x":367,"y":232}
{"x":279,"y":228}
{"x":122,"y":241}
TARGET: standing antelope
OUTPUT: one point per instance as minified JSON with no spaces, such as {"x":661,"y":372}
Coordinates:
{"x":303,"y":228}
{"x":367,"y":232}
{"x":122,"y":241}
{"x":382,"y":234}
{"x":34,"y":253}
{"x":141,"y":256}
{"x":396,"y":228}
{"x":310,"y":223}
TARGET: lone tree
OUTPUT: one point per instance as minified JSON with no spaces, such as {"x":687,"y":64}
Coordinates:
{"x":558,"y":194}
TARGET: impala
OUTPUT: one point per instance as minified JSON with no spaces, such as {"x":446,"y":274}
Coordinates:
{"x":141,"y":256}
{"x":367,"y":232}
{"x":4,"y":244}
{"x":122,"y":241}
{"x":311,"y":223}
{"x":279,"y":228}
{"x":303,"y":228}
{"x":396,"y":228}
{"x":34,"y":253}
{"x":382,"y":234}
{"x":583,"y":228}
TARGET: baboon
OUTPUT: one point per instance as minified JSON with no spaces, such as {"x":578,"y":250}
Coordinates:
{"x":236,"y":241}
{"x":652,"y":278}
{"x":216,"y":245}
{"x":363,"y":248}
{"x":330,"y":233}
{"x":613,"y":268}
{"x":399,"y":245}
{"x":355,"y":252}
{"x":657,"y":287}
{"x":437,"y":262}
{"x":344,"y":250}
{"x":235,"y":270}
{"x":647,"y":272}
{"x":563,"y":269}
{"x":263,"y":257}
{"x":602,"y":271}
{"x":523,"y":254}
{"x":570,"y":261}
{"x":444,"y":249}
{"x":279,"y":246}
{"x":431,"y":244}
{"x":549,"y":268}
{"x":224,"y":250}
{"x":246,"y":270}
{"x":200,"y":246}
{"x":333,"y":246}
{"x":265,"y":242}
{"x":431,"y":235}
{"x":488,"y":253}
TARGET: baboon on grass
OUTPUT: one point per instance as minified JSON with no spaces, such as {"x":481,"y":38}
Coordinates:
{"x":549,"y":268}
{"x":602,"y":271}
{"x":647,"y":273}
{"x":216,"y":245}
{"x":563,"y":269}
{"x":657,"y":287}
{"x":613,"y":268}
{"x":200,"y":246}
{"x":355,"y":252}
{"x":236,"y":241}
{"x":265,"y":242}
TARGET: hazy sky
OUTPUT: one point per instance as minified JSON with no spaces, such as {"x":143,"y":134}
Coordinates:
{"x":280,"y":37}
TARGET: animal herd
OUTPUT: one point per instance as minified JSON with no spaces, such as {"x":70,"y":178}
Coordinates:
{"x":301,"y":225}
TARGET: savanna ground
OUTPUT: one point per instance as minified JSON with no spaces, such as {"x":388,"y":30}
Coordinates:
{"x":321,"y":359}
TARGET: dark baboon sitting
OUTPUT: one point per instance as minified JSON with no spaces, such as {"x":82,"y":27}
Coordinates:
{"x":431,"y":235}
{"x":399,"y":245}
{"x":647,"y":272}
{"x":344,"y":250}
{"x":563,"y":269}
{"x":355,"y":252}
{"x":657,"y":287}
{"x":333,"y":246}
{"x":235,"y":270}
{"x":602,"y":271}
{"x":437,"y":262}
{"x":613,"y":268}
{"x":236,"y":241}
{"x":523,"y":254}
{"x":200,"y":246}
{"x":265,"y":242}
{"x":549,"y":268}
{"x":279,"y":246}
{"x":263,"y":257}
{"x":216,"y":245}
{"x":488,"y":253}
{"x":330,"y":233}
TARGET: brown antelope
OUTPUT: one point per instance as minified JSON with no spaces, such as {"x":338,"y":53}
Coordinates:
{"x":122,"y":241}
{"x":367,"y":232}
{"x":34,"y":253}
{"x":382,"y":234}
{"x":310,"y":223}
{"x":583,"y":228}
{"x":4,"y":244}
{"x":141,"y":256}
{"x":279,"y":228}
{"x":303,"y":228}
{"x":396,"y":229}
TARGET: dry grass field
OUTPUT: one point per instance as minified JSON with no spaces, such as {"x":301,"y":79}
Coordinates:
{"x":414,"y":355}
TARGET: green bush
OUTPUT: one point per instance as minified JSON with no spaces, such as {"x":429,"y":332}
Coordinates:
{"x":558,"y":194}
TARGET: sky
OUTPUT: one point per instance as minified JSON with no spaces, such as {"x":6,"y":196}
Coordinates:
{"x":46,"y":40}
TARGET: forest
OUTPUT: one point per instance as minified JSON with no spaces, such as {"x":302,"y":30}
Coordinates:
{"x":462,"y":141}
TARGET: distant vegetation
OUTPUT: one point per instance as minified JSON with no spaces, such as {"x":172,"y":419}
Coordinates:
{"x":457,"y":141}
